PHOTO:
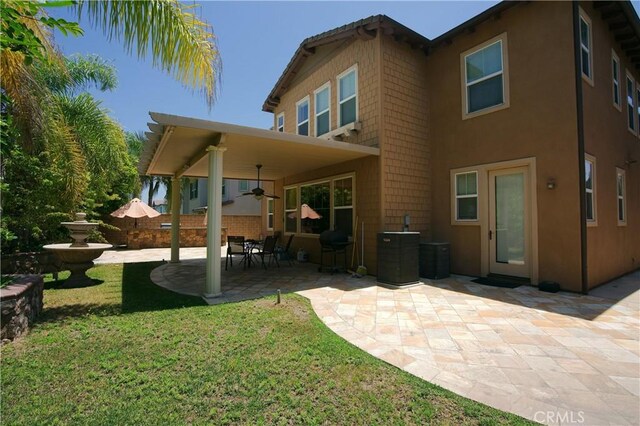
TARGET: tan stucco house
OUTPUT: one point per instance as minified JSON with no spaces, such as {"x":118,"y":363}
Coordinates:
{"x":514,"y":136}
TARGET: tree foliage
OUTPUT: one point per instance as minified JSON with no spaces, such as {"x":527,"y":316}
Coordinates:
{"x":82,"y":161}
{"x":61,"y":151}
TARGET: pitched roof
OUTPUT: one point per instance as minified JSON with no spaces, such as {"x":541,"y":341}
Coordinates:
{"x":363,"y":29}
{"x":621,"y":16}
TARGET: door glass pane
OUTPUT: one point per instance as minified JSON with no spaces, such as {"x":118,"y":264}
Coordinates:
{"x":510,"y":244}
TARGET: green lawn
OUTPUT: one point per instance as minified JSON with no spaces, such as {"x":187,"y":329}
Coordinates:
{"x":126,"y":351}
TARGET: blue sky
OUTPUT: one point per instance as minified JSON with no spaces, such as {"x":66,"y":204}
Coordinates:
{"x":256,"y":41}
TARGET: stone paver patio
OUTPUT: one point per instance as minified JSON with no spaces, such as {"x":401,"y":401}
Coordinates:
{"x":553,"y":358}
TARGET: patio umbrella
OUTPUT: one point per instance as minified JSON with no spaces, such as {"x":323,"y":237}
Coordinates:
{"x":306,"y":212}
{"x":135,"y":209}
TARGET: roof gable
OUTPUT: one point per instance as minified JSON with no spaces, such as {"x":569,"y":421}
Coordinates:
{"x":364,"y":29}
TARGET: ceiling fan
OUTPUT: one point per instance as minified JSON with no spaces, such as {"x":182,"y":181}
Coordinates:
{"x":257,"y":191}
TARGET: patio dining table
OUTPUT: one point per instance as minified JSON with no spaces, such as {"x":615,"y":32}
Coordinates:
{"x":250,"y":246}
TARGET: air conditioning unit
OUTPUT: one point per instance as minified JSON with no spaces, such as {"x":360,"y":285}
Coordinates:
{"x":398,"y":258}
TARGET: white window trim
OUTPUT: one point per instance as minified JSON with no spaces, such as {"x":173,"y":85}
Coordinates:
{"x":331,"y":180}
{"x":615,"y":80}
{"x":505,"y":77}
{"x":316,"y":113}
{"x":587,"y":20}
{"x":338,"y":102}
{"x":298,"y":123}
{"x":240,"y":184}
{"x":628,"y":77}
{"x":623,"y":197}
{"x":593,"y":190}
{"x":456,"y":197}
{"x":272,"y":213}
{"x":277,"y":120}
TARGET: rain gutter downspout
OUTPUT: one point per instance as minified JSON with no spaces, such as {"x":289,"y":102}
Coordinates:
{"x":581,"y":153}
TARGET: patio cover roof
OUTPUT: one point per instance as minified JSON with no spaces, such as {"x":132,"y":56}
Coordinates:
{"x":176,"y":146}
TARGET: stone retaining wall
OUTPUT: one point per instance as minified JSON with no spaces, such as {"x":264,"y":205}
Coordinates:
{"x":20,"y":304}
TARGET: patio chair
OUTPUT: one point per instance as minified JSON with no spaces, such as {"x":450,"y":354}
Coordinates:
{"x":236,"y":247}
{"x":268,"y":248}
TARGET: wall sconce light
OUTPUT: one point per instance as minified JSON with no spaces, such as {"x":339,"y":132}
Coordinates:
{"x":551,"y":183}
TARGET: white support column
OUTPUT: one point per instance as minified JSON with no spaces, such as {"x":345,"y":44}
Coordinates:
{"x":175,"y":220}
{"x":213,"y":284}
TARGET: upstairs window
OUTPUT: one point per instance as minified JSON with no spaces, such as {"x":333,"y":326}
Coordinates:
{"x":621,"y":190}
{"x":348,"y":96}
{"x":323,"y":110}
{"x":615,"y":78}
{"x":590,"y":187}
{"x":243,"y":185}
{"x":302,"y":108}
{"x":467,"y":196}
{"x":484,"y":77}
{"x":224,"y":188}
{"x":585,"y":47}
{"x":631,"y":113}
{"x":280,"y":122}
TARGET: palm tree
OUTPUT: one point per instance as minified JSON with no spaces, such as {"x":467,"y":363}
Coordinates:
{"x":181,"y":43}
{"x":166,"y":30}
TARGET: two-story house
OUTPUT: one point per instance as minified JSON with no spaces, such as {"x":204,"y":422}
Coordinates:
{"x":514,"y":136}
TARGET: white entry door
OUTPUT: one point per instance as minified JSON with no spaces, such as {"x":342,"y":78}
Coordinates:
{"x":509,"y":222}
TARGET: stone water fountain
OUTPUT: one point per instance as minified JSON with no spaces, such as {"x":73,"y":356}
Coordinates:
{"x":78,"y":256}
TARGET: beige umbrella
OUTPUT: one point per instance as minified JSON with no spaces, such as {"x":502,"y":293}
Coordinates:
{"x":306,"y":212}
{"x":135,"y":209}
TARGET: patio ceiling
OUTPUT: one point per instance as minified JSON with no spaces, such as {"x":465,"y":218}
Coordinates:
{"x":176,"y":146}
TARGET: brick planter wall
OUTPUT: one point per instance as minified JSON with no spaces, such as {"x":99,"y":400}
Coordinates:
{"x":193,"y":232}
{"x":20,"y":304}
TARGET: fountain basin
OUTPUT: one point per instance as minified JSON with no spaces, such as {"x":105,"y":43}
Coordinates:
{"x":77,"y":260}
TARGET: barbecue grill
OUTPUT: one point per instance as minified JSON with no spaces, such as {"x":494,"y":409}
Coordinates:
{"x":333,"y":242}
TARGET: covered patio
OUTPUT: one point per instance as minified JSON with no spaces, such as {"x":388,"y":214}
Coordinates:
{"x":186,"y":147}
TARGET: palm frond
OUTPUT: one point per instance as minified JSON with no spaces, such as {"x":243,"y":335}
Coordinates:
{"x":65,"y":153}
{"x":26,"y":95}
{"x":102,"y":140}
{"x":76,"y":73}
{"x":178,"y":41}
